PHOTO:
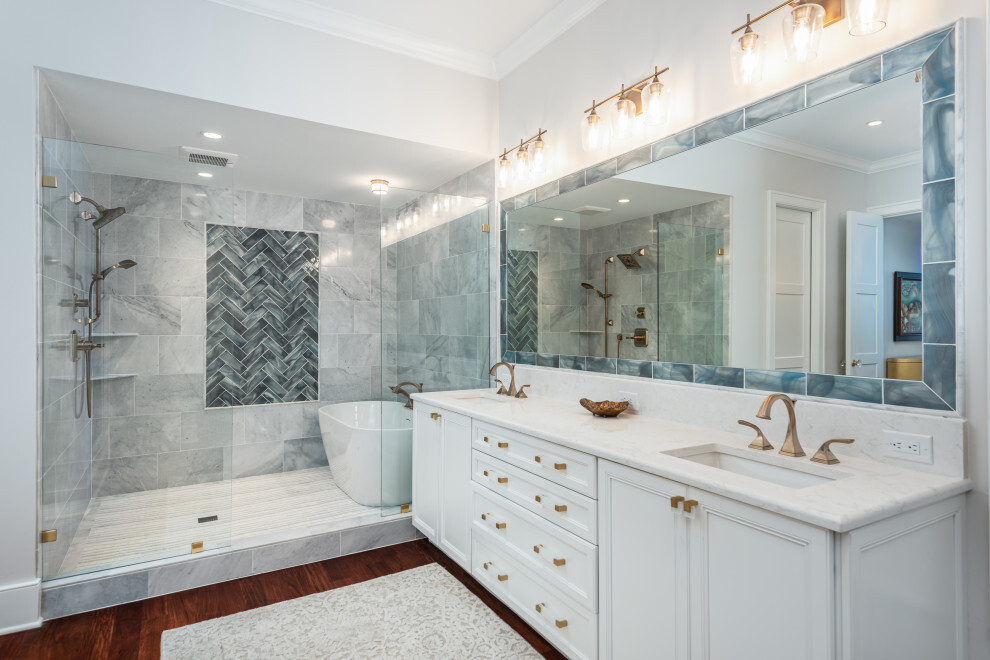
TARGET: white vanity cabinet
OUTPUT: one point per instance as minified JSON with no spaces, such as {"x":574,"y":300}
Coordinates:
{"x":442,"y":480}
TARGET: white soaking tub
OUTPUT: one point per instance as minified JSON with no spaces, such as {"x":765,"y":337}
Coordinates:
{"x":369,"y":446}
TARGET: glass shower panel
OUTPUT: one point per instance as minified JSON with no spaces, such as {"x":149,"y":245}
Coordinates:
{"x":435,"y":315}
{"x":134,"y":466}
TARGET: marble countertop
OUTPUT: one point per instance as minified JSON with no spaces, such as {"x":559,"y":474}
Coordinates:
{"x":869,"y":490}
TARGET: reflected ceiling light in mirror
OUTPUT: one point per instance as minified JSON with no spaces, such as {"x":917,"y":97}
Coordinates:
{"x":875,"y":123}
{"x":866,"y":16}
{"x":205,"y":175}
{"x":803,"y":27}
{"x":436,"y":204}
{"x":379,"y":186}
{"x":747,"y":55}
{"x":558,"y":219}
{"x":622,"y":201}
{"x":211,"y":135}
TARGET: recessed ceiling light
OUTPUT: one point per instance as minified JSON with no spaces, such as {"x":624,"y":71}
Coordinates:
{"x":205,"y":175}
{"x":875,"y":122}
{"x":623,"y":201}
{"x":558,"y":219}
{"x":210,"y":135}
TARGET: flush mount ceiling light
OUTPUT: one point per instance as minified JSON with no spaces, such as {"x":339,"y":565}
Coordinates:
{"x":622,"y":201}
{"x":531,"y":159}
{"x":874,"y":123}
{"x":866,"y":16}
{"x":379,"y":186}
{"x":558,"y":219}
{"x":210,"y":135}
{"x":642,"y":102}
{"x":205,"y":175}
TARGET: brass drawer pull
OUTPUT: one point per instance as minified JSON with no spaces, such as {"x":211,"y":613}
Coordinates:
{"x":689,"y":505}
{"x":560,"y":508}
{"x":561,"y":623}
{"x":487,"y":564}
{"x":559,"y":562}
{"x":503,"y":480}
{"x":537,"y":459}
{"x":486,"y":474}
{"x":500,"y":525}
{"x":538,"y":498}
{"x":674,"y":501}
{"x":539,"y":607}
{"x":484,"y":516}
{"x":560,"y":466}
{"x":486,"y":438}
{"x":536,"y":549}
{"x":435,"y":416}
{"x":503,"y":445}
{"x":502,"y":577}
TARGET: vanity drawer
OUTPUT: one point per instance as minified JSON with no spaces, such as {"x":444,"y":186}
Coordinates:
{"x":565,"y":624}
{"x":563,"y":559}
{"x":572,"y":511}
{"x":559,"y":464}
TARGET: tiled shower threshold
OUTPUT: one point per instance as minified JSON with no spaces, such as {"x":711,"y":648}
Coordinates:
{"x":264,"y":523}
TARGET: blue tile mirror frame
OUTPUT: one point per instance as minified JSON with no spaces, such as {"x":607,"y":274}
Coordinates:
{"x":940,"y":389}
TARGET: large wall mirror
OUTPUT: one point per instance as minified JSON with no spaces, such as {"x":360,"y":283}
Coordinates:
{"x":812,"y":250}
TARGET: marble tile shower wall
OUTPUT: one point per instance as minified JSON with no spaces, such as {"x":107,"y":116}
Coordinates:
{"x":67,"y":258}
{"x":152,"y":430}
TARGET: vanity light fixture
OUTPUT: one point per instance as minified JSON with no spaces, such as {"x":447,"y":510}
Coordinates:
{"x":747,"y":55}
{"x":531,"y":159}
{"x":205,"y":175}
{"x":866,"y":16}
{"x":210,"y":135}
{"x":379,"y":186}
{"x":644,"y":101}
{"x":803,"y":27}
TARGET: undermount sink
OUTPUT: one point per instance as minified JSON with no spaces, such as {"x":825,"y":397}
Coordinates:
{"x":771,"y":468}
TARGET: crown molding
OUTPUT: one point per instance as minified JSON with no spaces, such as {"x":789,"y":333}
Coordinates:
{"x":758,"y":138}
{"x":314,"y":16}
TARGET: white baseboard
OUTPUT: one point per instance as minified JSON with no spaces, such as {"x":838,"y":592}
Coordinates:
{"x":20,"y":606}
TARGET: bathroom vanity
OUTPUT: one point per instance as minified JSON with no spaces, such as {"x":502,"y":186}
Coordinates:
{"x":638,"y":537}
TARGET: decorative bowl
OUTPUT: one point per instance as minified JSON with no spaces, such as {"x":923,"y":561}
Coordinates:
{"x":604,"y":408}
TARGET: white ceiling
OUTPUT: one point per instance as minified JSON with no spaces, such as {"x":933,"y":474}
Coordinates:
{"x":277,"y":154}
{"x":480,"y":37}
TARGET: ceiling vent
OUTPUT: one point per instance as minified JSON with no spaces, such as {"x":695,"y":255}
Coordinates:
{"x":207,"y":157}
{"x":590,"y":210}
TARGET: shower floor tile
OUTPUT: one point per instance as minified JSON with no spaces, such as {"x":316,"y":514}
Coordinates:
{"x":118,"y":530}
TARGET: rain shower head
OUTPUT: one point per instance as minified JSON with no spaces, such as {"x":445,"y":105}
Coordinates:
{"x":125,"y":264}
{"x":106,"y":215}
{"x":630,"y":261}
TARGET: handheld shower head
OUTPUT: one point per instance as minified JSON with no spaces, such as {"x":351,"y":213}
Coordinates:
{"x":125,"y":264}
{"x":595,"y":289}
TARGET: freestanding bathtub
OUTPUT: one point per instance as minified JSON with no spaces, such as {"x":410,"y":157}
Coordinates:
{"x":369,"y":446}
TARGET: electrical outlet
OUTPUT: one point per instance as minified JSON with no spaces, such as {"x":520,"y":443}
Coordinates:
{"x":631,"y":397}
{"x":908,"y":446}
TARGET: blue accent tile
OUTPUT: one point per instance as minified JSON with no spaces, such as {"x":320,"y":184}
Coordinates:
{"x":910,"y":57}
{"x":641,"y":368}
{"x":675,"y":144}
{"x":723,"y":376}
{"x":719,"y":128}
{"x":846,"y":388}
{"x":547,"y":360}
{"x":939,"y":221}
{"x":789,"y":382}
{"x":576,"y":362}
{"x":503,"y":286}
{"x":522,"y":325}
{"x":940,"y":371}
{"x":911,"y":393}
{"x":524,"y":199}
{"x":676,"y":371}
{"x":842,"y":82}
{"x":775,"y":107}
{"x":633,"y":159}
{"x":938,"y":143}
{"x":526,"y":358}
{"x":547,"y":191}
{"x":938,"y":76}
{"x":503,"y":247}
{"x":503,"y":342}
{"x":508,"y":204}
{"x":571,"y":182}
{"x":599,"y":172}
{"x":601,"y":365}
{"x":509,"y":356}
{"x":503,"y":316}
{"x":938,"y":303}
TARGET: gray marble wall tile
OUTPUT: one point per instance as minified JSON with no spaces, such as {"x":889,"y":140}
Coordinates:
{"x":325,"y":216}
{"x":132,"y":235}
{"x":788,"y":382}
{"x":155,"y":276}
{"x":369,"y":317}
{"x":192,"y":574}
{"x":719,"y":128}
{"x":295,"y":553}
{"x":125,"y":475}
{"x":145,"y":315}
{"x":181,"y":354}
{"x":775,"y":107}
{"x":350,"y":384}
{"x":268,"y":211}
{"x":303,"y":454}
{"x":722,"y":376}
{"x":93,"y":594}
{"x":938,"y":75}
{"x":571,"y":182}
{"x":600,"y":172}
{"x":641,"y":368}
{"x":939,"y":225}
{"x":143,"y":434}
{"x":911,"y":393}
{"x":359,"y":350}
{"x":843,"y":82}
{"x":349,"y":283}
{"x":184,"y":239}
{"x":207,"y":204}
{"x":846,"y":388}
{"x":673,"y":145}
{"x":131,"y":355}
{"x":633,"y":159}
{"x":360,"y":539}
{"x":147,"y":197}
{"x":193,"y":466}
{"x":337,"y":316}
{"x":679,"y":372}
{"x":940,"y":371}
{"x":256,"y":459}
{"x":192,"y":315}
{"x":939,"y":303}
{"x":910,"y":57}
{"x":113,"y":398}
{"x":939,"y":142}
{"x":169,"y":393}
{"x":207,"y":428}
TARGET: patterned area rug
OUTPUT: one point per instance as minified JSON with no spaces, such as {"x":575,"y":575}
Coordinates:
{"x":420,"y":613}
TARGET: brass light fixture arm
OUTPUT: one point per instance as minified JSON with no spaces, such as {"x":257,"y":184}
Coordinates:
{"x":523,"y":143}
{"x":794,"y":3}
{"x":657,"y":71}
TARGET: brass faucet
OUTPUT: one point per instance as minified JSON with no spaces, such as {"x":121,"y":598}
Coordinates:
{"x":397,"y":389}
{"x":792,"y":446}
{"x":513,"y":392}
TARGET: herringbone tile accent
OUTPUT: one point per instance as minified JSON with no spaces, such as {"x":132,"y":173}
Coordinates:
{"x":262,"y":316}
{"x":523,"y":308}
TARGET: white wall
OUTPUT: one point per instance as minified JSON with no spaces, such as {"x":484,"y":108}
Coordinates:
{"x":198,"y":49}
{"x":623,"y":39}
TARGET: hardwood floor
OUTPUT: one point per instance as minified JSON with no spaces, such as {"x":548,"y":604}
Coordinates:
{"x":133,"y":631}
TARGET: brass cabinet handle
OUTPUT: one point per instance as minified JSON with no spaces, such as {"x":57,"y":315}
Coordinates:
{"x":561,"y":623}
{"x":500,"y":525}
{"x":536,"y":549}
{"x":503,"y":480}
{"x":689,"y":504}
{"x":559,"y":561}
{"x":486,"y":564}
{"x":560,"y":508}
{"x":485,"y":472}
{"x":560,"y":466}
{"x":484,"y":516}
{"x":674,"y":501}
{"x":540,"y":606}
{"x":503,"y":445}
{"x":538,"y":498}
{"x":502,"y":577}
{"x":435,"y":416}
{"x":537,"y":459}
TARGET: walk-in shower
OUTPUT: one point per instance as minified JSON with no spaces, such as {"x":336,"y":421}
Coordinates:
{"x":604,"y":295}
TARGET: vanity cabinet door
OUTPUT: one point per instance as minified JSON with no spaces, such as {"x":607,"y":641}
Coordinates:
{"x":761,"y":583}
{"x":426,"y":471}
{"x":455,"y":487}
{"x":643,"y":566}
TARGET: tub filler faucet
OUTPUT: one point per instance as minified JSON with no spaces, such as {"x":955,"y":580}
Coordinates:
{"x":397,"y":389}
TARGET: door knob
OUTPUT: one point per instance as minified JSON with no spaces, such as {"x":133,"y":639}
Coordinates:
{"x":855,"y":363}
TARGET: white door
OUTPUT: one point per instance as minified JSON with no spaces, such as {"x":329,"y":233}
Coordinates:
{"x":792,"y":290}
{"x":642,"y":576}
{"x":864,"y":294}
{"x":760,"y":584}
{"x":426,"y":473}
{"x":455,"y":488}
